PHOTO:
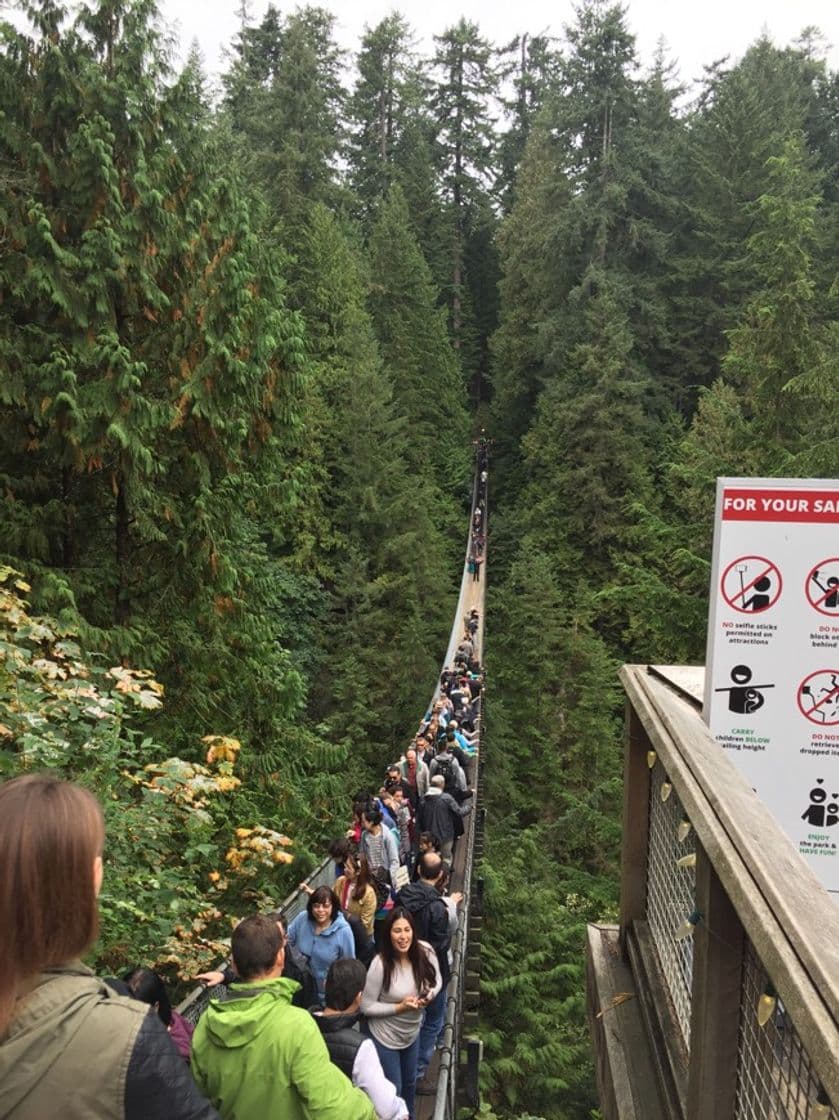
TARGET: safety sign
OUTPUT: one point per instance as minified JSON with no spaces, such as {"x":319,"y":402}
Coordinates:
{"x":772,"y":663}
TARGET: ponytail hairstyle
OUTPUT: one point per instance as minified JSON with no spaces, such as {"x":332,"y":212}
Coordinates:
{"x":146,"y":986}
{"x":51,"y":833}
{"x":363,"y":877}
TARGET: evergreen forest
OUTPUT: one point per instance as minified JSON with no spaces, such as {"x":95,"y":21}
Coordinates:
{"x":246,"y":339}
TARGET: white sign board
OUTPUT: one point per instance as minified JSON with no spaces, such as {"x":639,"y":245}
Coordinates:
{"x":772,"y":666}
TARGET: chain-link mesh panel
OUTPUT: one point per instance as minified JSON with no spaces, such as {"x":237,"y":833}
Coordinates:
{"x":775,"y":1080}
{"x":197,"y":1002}
{"x":670,"y":896}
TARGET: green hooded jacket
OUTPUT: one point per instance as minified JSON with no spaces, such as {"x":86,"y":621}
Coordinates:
{"x":256,"y":1057}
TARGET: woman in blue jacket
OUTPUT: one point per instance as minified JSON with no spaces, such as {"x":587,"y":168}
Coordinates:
{"x":319,"y":935}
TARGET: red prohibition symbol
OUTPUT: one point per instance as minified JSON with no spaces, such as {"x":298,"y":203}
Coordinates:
{"x":822,"y":587}
{"x":818,"y":697}
{"x":751,"y":584}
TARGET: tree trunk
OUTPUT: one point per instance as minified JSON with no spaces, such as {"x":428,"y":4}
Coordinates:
{"x":68,"y":536}
{"x":122,"y":543}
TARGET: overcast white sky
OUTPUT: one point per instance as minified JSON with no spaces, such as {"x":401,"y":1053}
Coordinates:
{"x":696,"y":31}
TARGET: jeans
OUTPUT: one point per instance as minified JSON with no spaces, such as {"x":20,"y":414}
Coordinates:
{"x":432,"y":1025}
{"x":400,"y":1067}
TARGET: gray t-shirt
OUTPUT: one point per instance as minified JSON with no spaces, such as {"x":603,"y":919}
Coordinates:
{"x":397,"y":1032}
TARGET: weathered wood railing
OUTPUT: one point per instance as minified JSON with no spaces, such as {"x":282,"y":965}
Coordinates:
{"x":738,"y":1019}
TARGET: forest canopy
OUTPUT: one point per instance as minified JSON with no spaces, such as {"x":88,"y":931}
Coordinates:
{"x":245,"y":342}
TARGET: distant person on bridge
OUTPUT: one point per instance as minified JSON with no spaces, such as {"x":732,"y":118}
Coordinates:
{"x":255,"y":1055}
{"x":70,"y":1047}
{"x":444,"y":763}
{"x":415,"y":774}
{"x":353,"y":1053}
{"x":355,"y":891}
{"x":379,"y":845}
{"x":394,"y":798}
{"x":458,"y":744}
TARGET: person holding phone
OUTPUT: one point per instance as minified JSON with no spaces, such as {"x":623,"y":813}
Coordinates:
{"x":403,"y":979}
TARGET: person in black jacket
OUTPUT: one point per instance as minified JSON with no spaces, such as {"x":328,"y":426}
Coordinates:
{"x":351,"y":1051}
{"x":442,"y":815}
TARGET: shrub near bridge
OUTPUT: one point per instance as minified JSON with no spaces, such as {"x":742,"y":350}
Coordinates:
{"x":178,"y":860}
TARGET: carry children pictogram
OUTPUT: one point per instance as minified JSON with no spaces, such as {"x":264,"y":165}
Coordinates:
{"x":743,"y":696}
{"x":822,"y":587}
{"x":751,"y":584}
{"x":818,"y":697}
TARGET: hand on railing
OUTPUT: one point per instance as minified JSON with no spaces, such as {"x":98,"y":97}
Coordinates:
{"x":211,"y":978}
{"x":305,"y":887}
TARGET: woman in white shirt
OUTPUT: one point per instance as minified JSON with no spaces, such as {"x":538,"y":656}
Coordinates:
{"x":403,"y":979}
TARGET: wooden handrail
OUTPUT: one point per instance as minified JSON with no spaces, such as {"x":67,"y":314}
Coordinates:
{"x":787,"y":914}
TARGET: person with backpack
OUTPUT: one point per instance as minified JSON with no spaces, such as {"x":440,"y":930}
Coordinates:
{"x":445,"y":763}
{"x":381,"y":850}
{"x":442,"y":816}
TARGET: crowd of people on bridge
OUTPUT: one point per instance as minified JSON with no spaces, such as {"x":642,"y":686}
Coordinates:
{"x":334,"y":1017}
{"x":370,"y":955}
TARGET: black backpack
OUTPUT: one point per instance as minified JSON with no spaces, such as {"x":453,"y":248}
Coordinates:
{"x":445,"y":766}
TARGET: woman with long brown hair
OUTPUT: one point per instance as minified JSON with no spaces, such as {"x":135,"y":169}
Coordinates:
{"x":356,"y":892}
{"x":69,"y":1045}
{"x":403,"y":979}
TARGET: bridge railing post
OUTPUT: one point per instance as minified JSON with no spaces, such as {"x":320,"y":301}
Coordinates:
{"x":715,"y":1004}
{"x":636,"y":824}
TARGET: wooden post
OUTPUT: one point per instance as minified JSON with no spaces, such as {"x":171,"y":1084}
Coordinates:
{"x":636,"y":824}
{"x":715,"y":1001}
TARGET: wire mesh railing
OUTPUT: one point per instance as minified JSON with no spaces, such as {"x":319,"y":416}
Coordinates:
{"x":445,"y":1105}
{"x":198,"y":999}
{"x":738,"y":1020}
{"x":775,"y":1076}
{"x":670,"y":894}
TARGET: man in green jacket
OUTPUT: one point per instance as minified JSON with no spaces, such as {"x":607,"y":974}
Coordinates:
{"x":255,"y":1056}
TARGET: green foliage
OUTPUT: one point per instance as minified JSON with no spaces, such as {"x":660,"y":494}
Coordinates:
{"x":414,"y":343}
{"x":285,"y":100}
{"x":167,"y":822}
{"x":238,"y":347}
